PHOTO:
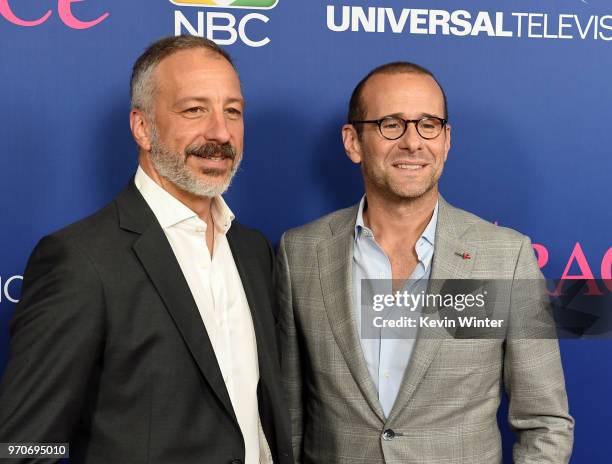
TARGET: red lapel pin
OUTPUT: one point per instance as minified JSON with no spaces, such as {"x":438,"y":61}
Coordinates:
{"x":464,"y":255}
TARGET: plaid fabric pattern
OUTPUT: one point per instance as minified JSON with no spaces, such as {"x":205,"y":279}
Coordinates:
{"x":446,"y":409}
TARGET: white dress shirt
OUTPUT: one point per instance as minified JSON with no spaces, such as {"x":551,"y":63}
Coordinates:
{"x":216,"y":287}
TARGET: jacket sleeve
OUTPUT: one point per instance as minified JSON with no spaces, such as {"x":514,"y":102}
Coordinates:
{"x":55,"y":348}
{"x":290,"y":352}
{"x":533,"y":374}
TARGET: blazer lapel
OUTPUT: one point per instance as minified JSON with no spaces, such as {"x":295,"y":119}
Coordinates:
{"x":453,"y":259}
{"x":335,"y":258}
{"x":160,"y":264}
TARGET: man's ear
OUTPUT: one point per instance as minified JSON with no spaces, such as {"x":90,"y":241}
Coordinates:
{"x":447,"y":142}
{"x":352,"y":144}
{"x":141,"y":129}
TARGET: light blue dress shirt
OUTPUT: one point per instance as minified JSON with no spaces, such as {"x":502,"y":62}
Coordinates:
{"x":387,"y":357}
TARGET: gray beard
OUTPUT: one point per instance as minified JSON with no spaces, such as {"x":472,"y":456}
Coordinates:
{"x":173,"y":167}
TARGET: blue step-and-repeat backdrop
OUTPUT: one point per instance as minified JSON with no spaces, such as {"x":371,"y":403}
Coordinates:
{"x":530,"y":102}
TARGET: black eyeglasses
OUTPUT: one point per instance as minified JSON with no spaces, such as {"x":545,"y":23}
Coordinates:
{"x":393,"y":127}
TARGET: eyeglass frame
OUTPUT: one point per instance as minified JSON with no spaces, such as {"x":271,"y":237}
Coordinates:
{"x":379,"y":122}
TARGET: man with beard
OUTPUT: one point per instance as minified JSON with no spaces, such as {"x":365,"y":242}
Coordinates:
{"x":145,"y":332}
{"x":384,"y":396}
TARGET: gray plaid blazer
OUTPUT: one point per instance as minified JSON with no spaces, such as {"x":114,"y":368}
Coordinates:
{"x":447,"y":405}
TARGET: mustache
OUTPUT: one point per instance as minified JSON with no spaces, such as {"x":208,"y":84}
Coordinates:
{"x":212,"y":149}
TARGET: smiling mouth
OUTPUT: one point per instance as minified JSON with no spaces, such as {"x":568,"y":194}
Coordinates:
{"x":214,"y":157}
{"x":409,"y":167}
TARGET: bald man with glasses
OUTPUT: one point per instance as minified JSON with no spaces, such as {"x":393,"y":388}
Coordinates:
{"x":362,"y":396}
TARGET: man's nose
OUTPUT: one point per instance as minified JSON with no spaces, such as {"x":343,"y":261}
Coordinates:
{"x":216,"y":129}
{"x":411,"y":140}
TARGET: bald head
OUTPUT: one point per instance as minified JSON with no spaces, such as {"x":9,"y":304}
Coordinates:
{"x":358,"y":105}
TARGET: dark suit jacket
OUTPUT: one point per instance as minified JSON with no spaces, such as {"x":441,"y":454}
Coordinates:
{"x":109,"y":352}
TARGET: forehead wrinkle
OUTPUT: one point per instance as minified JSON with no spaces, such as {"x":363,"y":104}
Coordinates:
{"x":419,"y":116}
{"x":181,"y":76}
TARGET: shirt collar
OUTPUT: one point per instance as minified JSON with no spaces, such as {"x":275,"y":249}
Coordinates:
{"x":222,"y":214}
{"x":428,"y":234}
{"x":359,"y":224}
{"x":169,"y":211}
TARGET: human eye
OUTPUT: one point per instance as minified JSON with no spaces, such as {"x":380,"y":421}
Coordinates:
{"x":233,"y":113}
{"x":194,"y":111}
{"x":390,"y":123}
{"x":429,"y":123}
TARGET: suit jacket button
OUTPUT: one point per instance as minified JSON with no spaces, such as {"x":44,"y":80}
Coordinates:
{"x":388,"y":434}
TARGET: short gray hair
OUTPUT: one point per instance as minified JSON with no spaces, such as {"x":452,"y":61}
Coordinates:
{"x":142,"y":85}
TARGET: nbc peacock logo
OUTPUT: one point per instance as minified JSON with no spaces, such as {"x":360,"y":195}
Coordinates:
{"x":223,"y":27}
{"x":250,"y":4}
